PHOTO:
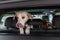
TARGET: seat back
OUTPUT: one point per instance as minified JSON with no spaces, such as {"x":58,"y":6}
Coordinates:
{"x":10,"y":22}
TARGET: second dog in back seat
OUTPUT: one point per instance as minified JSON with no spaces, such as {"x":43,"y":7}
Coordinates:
{"x":22,"y":17}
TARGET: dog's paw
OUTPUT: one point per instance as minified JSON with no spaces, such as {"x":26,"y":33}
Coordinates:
{"x":27,"y":31}
{"x":21,"y":31}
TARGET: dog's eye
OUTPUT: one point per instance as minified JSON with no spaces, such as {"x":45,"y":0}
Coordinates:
{"x":23,"y":17}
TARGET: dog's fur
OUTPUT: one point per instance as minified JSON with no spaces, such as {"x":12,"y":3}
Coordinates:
{"x":22,"y":17}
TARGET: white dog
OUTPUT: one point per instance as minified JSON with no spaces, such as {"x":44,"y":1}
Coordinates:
{"x":23,"y":17}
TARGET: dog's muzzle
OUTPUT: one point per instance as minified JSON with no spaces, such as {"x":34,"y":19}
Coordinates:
{"x":19,"y":25}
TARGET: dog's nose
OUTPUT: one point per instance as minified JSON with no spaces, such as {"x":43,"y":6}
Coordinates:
{"x":19,"y":25}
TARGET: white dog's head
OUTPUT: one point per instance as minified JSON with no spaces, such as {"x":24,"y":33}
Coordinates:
{"x":23,"y":17}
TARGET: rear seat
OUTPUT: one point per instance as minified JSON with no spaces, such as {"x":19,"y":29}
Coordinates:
{"x":10,"y":23}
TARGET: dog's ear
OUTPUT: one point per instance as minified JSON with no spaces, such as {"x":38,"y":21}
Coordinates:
{"x":30,"y":16}
{"x":14,"y":15}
